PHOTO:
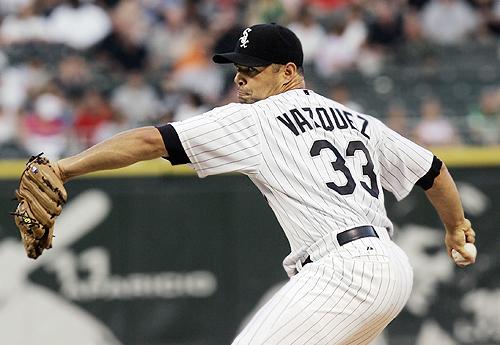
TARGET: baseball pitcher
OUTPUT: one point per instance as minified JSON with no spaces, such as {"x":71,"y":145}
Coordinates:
{"x":322,"y":168}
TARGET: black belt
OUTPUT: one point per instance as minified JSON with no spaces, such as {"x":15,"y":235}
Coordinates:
{"x":350,"y":235}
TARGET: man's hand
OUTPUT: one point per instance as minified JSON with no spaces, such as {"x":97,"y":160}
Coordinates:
{"x":41,"y":196}
{"x":456,"y":238}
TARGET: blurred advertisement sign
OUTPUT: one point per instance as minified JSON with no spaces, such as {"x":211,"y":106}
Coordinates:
{"x":156,"y":260}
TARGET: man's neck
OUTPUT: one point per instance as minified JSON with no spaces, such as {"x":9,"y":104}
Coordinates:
{"x":296,"y":83}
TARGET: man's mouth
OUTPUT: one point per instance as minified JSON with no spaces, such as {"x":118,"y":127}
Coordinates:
{"x":242,"y":93}
{"x":244,"y":97}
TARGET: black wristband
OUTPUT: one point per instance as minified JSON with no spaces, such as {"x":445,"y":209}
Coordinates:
{"x":176,"y":153}
{"x":427,"y":180}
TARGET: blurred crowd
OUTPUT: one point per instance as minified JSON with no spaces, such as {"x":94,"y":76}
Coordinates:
{"x":111,"y":65}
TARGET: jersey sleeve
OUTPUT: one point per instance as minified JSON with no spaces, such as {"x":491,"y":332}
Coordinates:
{"x":223,"y":140}
{"x":402,"y":162}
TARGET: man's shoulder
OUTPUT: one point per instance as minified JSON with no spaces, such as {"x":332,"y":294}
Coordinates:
{"x":286,"y":98}
{"x":228,"y":109}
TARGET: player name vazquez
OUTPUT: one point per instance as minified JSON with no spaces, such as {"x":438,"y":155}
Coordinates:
{"x":299,"y":121}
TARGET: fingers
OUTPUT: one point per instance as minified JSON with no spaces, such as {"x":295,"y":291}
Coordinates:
{"x":470,"y":236}
{"x":449,"y":250}
{"x":454,"y":240}
{"x":466,"y":229}
{"x":469,"y":257}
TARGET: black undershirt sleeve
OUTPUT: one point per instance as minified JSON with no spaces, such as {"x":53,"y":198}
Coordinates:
{"x":427,"y":180}
{"x":176,"y":153}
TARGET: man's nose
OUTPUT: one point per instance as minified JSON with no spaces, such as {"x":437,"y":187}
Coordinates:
{"x":239,"y":80}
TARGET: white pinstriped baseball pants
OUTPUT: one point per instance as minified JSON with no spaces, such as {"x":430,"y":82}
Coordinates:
{"x":346,"y":297}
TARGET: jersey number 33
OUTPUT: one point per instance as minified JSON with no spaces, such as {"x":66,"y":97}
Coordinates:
{"x":339,"y":165}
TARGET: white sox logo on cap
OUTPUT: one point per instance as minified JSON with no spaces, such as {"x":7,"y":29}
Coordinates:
{"x":262,"y":45}
{"x":244,"y":38}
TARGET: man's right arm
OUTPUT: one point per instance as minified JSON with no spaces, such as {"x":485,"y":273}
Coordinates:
{"x":444,"y":196}
{"x":404,"y":164}
{"x":119,"y":151}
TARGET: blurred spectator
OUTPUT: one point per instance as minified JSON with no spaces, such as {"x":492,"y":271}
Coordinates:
{"x":45,"y":7}
{"x":118,"y":123}
{"x":12,"y":6}
{"x":226,"y":30}
{"x":37,"y":74}
{"x":171,"y":38}
{"x":171,"y":95}
{"x":13,"y":88}
{"x":494,"y":21}
{"x":340,"y":93}
{"x":172,"y":42}
{"x":385,"y":28}
{"x":385,"y":32}
{"x":265,"y":11}
{"x":109,"y":4}
{"x":326,"y":7}
{"x":73,"y":76}
{"x":92,"y":113}
{"x":416,"y":47}
{"x":45,"y":127}
{"x":78,"y":24}
{"x":412,"y":28}
{"x":136,"y":100}
{"x":448,"y":21}
{"x":356,"y":29}
{"x":191,"y":105}
{"x":434,"y":128}
{"x":396,"y":119}
{"x":196,"y":66}
{"x":23,"y":26}
{"x":124,"y":47}
{"x":8,"y":126}
{"x":489,"y":14}
{"x":484,"y":121}
{"x":417,"y":4}
{"x":17,"y":82}
{"x":4,"y":60}
{"x":310,"y":33}
{"x":341,"y":47}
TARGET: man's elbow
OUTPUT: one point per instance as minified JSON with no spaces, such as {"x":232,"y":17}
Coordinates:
{"x":153,"y":143}
{"x":441,"y":179}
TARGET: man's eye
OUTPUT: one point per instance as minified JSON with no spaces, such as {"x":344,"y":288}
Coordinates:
{"x":247,"y":70}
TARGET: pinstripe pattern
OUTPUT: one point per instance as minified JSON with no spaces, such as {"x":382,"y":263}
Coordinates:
{"x":339,"y":299}
{"x":252,"y":140}
{"x":321,"y":167}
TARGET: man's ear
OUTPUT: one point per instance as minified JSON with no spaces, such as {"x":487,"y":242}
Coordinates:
{"x":289,"y":71}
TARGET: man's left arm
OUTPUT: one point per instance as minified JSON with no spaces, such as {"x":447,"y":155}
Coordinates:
{"x":119,"y":151}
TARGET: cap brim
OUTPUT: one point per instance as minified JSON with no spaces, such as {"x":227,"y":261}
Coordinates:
{"x":240,"y":59}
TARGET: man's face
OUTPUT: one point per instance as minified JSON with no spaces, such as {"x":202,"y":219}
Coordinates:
{"x":258,"y":83}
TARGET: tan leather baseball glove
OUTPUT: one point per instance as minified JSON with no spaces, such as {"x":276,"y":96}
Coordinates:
{"x":41,"y":195}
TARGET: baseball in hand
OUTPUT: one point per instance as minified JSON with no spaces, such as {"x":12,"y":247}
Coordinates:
{"x":459,"y":259}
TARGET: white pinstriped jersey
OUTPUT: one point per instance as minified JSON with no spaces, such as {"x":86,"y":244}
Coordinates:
{"x":320,"y":165}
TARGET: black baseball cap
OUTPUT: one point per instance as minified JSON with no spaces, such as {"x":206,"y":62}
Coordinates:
{"x":262,"y":45}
